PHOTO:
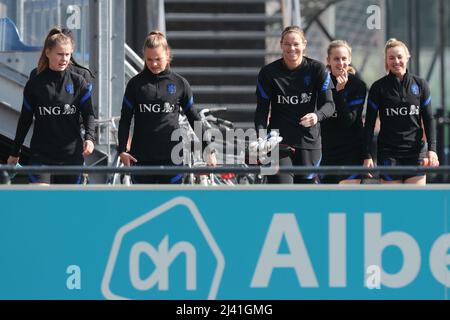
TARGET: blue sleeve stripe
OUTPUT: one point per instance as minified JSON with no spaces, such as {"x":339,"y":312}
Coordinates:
{"x":427,"y":102}
{"x":317,"y":164}
{"x":176,"y":178}
{"x":27,"y":105}
{"x":373,"y":105}
{"x":189,"y":104}
{"x":127,"y":102}
{"x":87,"y":95}
{"x":261,"y":91}
{"x":356,"y":102}
{"x":326,"y":84}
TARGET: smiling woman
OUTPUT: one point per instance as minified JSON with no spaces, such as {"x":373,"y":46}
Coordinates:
{"x":296,"y":91}
{"x":342,"y":134}
{"x":403,"y":102}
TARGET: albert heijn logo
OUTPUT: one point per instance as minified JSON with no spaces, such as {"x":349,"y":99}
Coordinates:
{"x":167,"y":253}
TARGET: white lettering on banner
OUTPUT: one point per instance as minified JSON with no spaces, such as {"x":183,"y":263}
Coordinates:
{"x":337,"y":243}
{"x":440,"y":260}
{"x":162,"y":258}
{"x":375,"y":243}
{"x":284,"y":225}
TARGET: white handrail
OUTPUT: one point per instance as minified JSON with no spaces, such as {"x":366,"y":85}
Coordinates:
{"x":133,"y":57}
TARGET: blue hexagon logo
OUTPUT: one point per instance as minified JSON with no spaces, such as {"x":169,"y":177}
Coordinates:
{"x":167,"y":253}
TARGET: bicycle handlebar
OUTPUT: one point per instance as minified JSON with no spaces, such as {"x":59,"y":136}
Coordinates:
{"x":225,"y":122}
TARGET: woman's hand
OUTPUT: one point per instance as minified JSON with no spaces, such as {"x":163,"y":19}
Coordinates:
{"x":88,"y":148}
{"x":211,"y":159}
{"x":12,"y":160}
{"x":368,"y":163}
{"x":127,"y":158}
{"x":309,"y":120}
{"x":342,"y":80}
{"x":432,"y":159}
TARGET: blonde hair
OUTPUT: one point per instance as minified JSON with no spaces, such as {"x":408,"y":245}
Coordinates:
{"x":55,"y":36}
{"x":293,"y":29}
{"x":338,"y":44}
{"x":392,"y":43}
{"x":157,"y":39}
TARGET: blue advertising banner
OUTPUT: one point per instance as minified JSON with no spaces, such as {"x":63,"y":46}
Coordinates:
{"x":237,"y":243}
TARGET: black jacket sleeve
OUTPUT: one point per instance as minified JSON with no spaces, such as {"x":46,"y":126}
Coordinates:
{"x":33,"y":73}
{"x":263,"y":95}
{"x":25,"y":120}
{"x":428,"y":116}
{"x":373,"y":103}
{"x":350,"y":108}
{"x":127,"y":114}
{"x":325,"y":103}
{"x":87,"y":111}
{"x":191,"y":113}
{"x":187,"y":103}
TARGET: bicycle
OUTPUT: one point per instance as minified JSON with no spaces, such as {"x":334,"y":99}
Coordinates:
{"x":114,"y":178}
{"x":194,"y":159}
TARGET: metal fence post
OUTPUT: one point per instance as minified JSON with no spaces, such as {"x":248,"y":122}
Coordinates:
{"x":107,"y":56}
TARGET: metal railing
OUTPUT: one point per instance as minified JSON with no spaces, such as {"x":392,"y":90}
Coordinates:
{"x":133,"y":63}
{"x":6,"y":171}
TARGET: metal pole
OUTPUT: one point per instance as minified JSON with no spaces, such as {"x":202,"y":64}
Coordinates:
{"x":161,"y":16}
{"x":107,"y":21}
{"x":442,"y":40}
{"x":413,"y":34}
{"x":297,"y":18}
{"x":417,"y":42}
{"x":387,"y":19}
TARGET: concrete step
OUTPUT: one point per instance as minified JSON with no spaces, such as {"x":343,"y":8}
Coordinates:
{"x":222,"y":17}
{"x":223,"y":89}
{"x":219,"y":76}
{"x":217,"y":71}
{"x":221,"y":80}
{"x":209,"y":7}
{"x":235,"y":62}
{"x":218,"y":1}
{"x":222,"y":35}
{"x":223,"y":53}
{"x":211,"y":97}
{"x":215,"y":25}
{"x":212,"y":44}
